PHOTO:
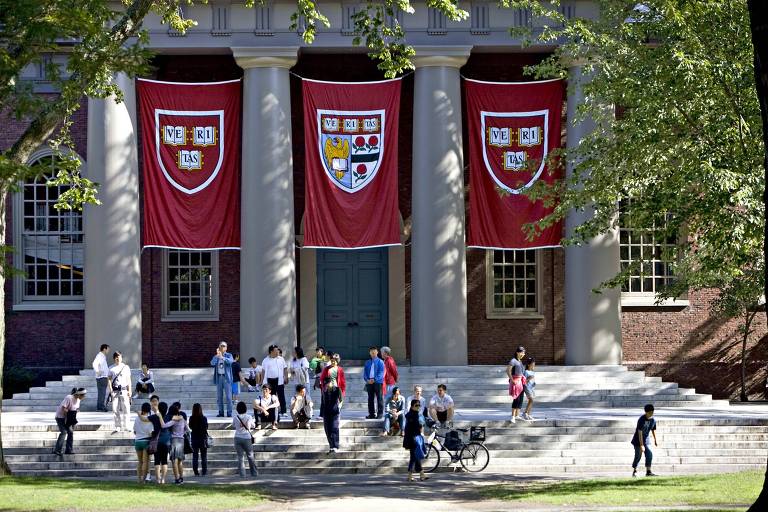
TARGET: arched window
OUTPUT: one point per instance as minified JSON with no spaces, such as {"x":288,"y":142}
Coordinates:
{"x":49,"y":243}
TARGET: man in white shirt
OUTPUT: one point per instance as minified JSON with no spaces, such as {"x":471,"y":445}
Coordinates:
{"x":441,"y":407}
{"x":253,"y":375}
{"x":276,"y":375}
{"x":120,"y":386}
{"x":101,"y":369}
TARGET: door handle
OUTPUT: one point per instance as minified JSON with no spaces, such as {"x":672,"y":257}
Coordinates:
{"x":352,"y":324}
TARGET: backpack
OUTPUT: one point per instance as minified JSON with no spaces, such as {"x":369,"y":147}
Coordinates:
{"x":452,"y":440}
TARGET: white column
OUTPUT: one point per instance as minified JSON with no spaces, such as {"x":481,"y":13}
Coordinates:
{"x":267,"y":257}
{"x":438,"y":259}
{"x":592,"y":321}
{"x":112,"y":230}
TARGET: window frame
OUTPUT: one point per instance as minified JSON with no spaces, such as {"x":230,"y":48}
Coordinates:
{"x":190,"y":316}
{"x":492,"y":313}
{"x":48,"y":303}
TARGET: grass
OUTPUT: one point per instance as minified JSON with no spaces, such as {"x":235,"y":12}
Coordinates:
{"x":48,"y":494}
{"x":721,"y":489}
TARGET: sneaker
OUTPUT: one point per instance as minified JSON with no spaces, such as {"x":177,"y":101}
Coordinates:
{"x":258,"y":427}
{"x":116,"y":431}
{"x":148,"y":478}
{"x":650,"y":473}
{"x":307,"y":426}
{"x":220,"y":415}
{"x":513,"y":419}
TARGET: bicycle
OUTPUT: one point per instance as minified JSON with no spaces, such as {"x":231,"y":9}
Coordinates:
{"x":473,"y":456}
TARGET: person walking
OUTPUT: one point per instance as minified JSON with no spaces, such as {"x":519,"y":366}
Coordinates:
{"x":198,"y":423}
{"x":222,"y":378}
{"x":332,"y":400}
{"x":66,"y":419}
{"x":146,"y":384}
{"x":101,"y":370}
{"x":142,"y":430}
{"x":390,"y":371}
{"x":395,"y":412}
{"x":243,"y":424}
{"x":373,"y":375}
{"x":276,"y":375}
{"x":515,"y":373}
{"x":413,"y":439}
{"x":120,"y":386}
{"x":301,"y":407}
{"x":530,"y":387}
{"x":646,"y":426}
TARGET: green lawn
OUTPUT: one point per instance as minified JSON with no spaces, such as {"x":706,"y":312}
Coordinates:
{"x":48,"y":494}
{"x":723,"y":489}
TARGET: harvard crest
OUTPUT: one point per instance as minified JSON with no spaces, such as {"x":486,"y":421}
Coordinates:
{"x":351,"y":146}
{"x":515,"y":147}
{"x":190,"y":147}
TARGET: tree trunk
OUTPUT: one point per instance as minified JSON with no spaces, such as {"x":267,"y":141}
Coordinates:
{"x":758,"y":22}
{"x":749,"y":317}
{"x":4,"y":470}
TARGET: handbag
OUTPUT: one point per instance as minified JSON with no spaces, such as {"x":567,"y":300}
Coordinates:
{"x":187,"y":445}
{"x":253,"y":440}
{"x":152,"y":448}
{"x":209,"y":442}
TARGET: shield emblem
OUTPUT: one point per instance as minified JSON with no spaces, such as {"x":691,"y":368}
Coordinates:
{"x":515,"y":147}
{"x":351,"y":146}
{"x":190,"y":147}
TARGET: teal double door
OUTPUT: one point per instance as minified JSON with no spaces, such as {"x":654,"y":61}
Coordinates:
{"x":352,"y":301}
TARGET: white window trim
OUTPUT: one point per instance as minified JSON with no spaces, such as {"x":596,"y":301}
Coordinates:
{"x":43,"y":304}
{"x":191,"y":316}
{"x":643,"y":299}
{"x":514,"y":314}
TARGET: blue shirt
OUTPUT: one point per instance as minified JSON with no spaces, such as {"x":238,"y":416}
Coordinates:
{"x":227,"y":363}
{"x":645,"y":426}
{"x":378,"y":370}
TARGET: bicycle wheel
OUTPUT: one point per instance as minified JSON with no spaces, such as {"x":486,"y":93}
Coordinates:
{"x":474,"y":457}
{"x":432,"y":460}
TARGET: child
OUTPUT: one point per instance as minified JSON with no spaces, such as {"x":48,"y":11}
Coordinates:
{"x":255,"y":374}
{"x":236,"y":378}
{"x":528,"y":389}
{"x":265,"y":408}
{"x":146,"y":382}
{"x":646,"y":425}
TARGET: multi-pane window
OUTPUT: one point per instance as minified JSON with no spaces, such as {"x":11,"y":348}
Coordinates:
{"x":512,"y":282}
{"x":191,"y":284}
{"x":646,"y":252}
{"x":51,"y":241}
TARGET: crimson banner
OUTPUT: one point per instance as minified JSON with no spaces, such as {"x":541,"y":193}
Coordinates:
{"x":190,"y":138}
{"x":350,"y":138}
{"x":512,"y":128}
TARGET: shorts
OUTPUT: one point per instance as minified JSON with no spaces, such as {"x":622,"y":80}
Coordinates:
{"x":161,"y":455}
{"x":442,"y":416}
{"x":141,"y":445}
{"x":177,"y":449}
{"x":235,"y":388}
{"x":531,"y":394}
{"x":517,"y":403}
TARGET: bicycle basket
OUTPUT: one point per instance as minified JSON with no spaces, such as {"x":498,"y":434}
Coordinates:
{"x":477,"y":433}
{"x":452,"y":440}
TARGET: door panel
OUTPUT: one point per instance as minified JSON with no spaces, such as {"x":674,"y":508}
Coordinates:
{"x":352,"y":301}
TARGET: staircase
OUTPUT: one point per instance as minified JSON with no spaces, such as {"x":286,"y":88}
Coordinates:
{"x":587,"y":417}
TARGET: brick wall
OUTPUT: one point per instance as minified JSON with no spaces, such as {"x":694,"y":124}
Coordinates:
{"x":48,"y":342}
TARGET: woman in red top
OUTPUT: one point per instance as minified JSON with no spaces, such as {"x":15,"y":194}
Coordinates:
{"x":336,"y":373}
{"x":390,"y":371}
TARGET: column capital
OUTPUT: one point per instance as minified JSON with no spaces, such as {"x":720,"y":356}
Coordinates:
{"x":444,"y":56}
{"x":266,"y":57}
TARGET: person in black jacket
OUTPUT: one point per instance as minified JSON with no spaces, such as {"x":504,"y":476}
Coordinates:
{"x":414,"y":427}
{"x":331,"y":409}
{"x":198,"y":423}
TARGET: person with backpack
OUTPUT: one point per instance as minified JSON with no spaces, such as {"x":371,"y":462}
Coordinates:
{"x":66,"y":419}
{"x":413,"y":440}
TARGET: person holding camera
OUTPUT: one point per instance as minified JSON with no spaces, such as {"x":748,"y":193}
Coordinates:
{"x":120,"y":386}
{"x":222,"y":378}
